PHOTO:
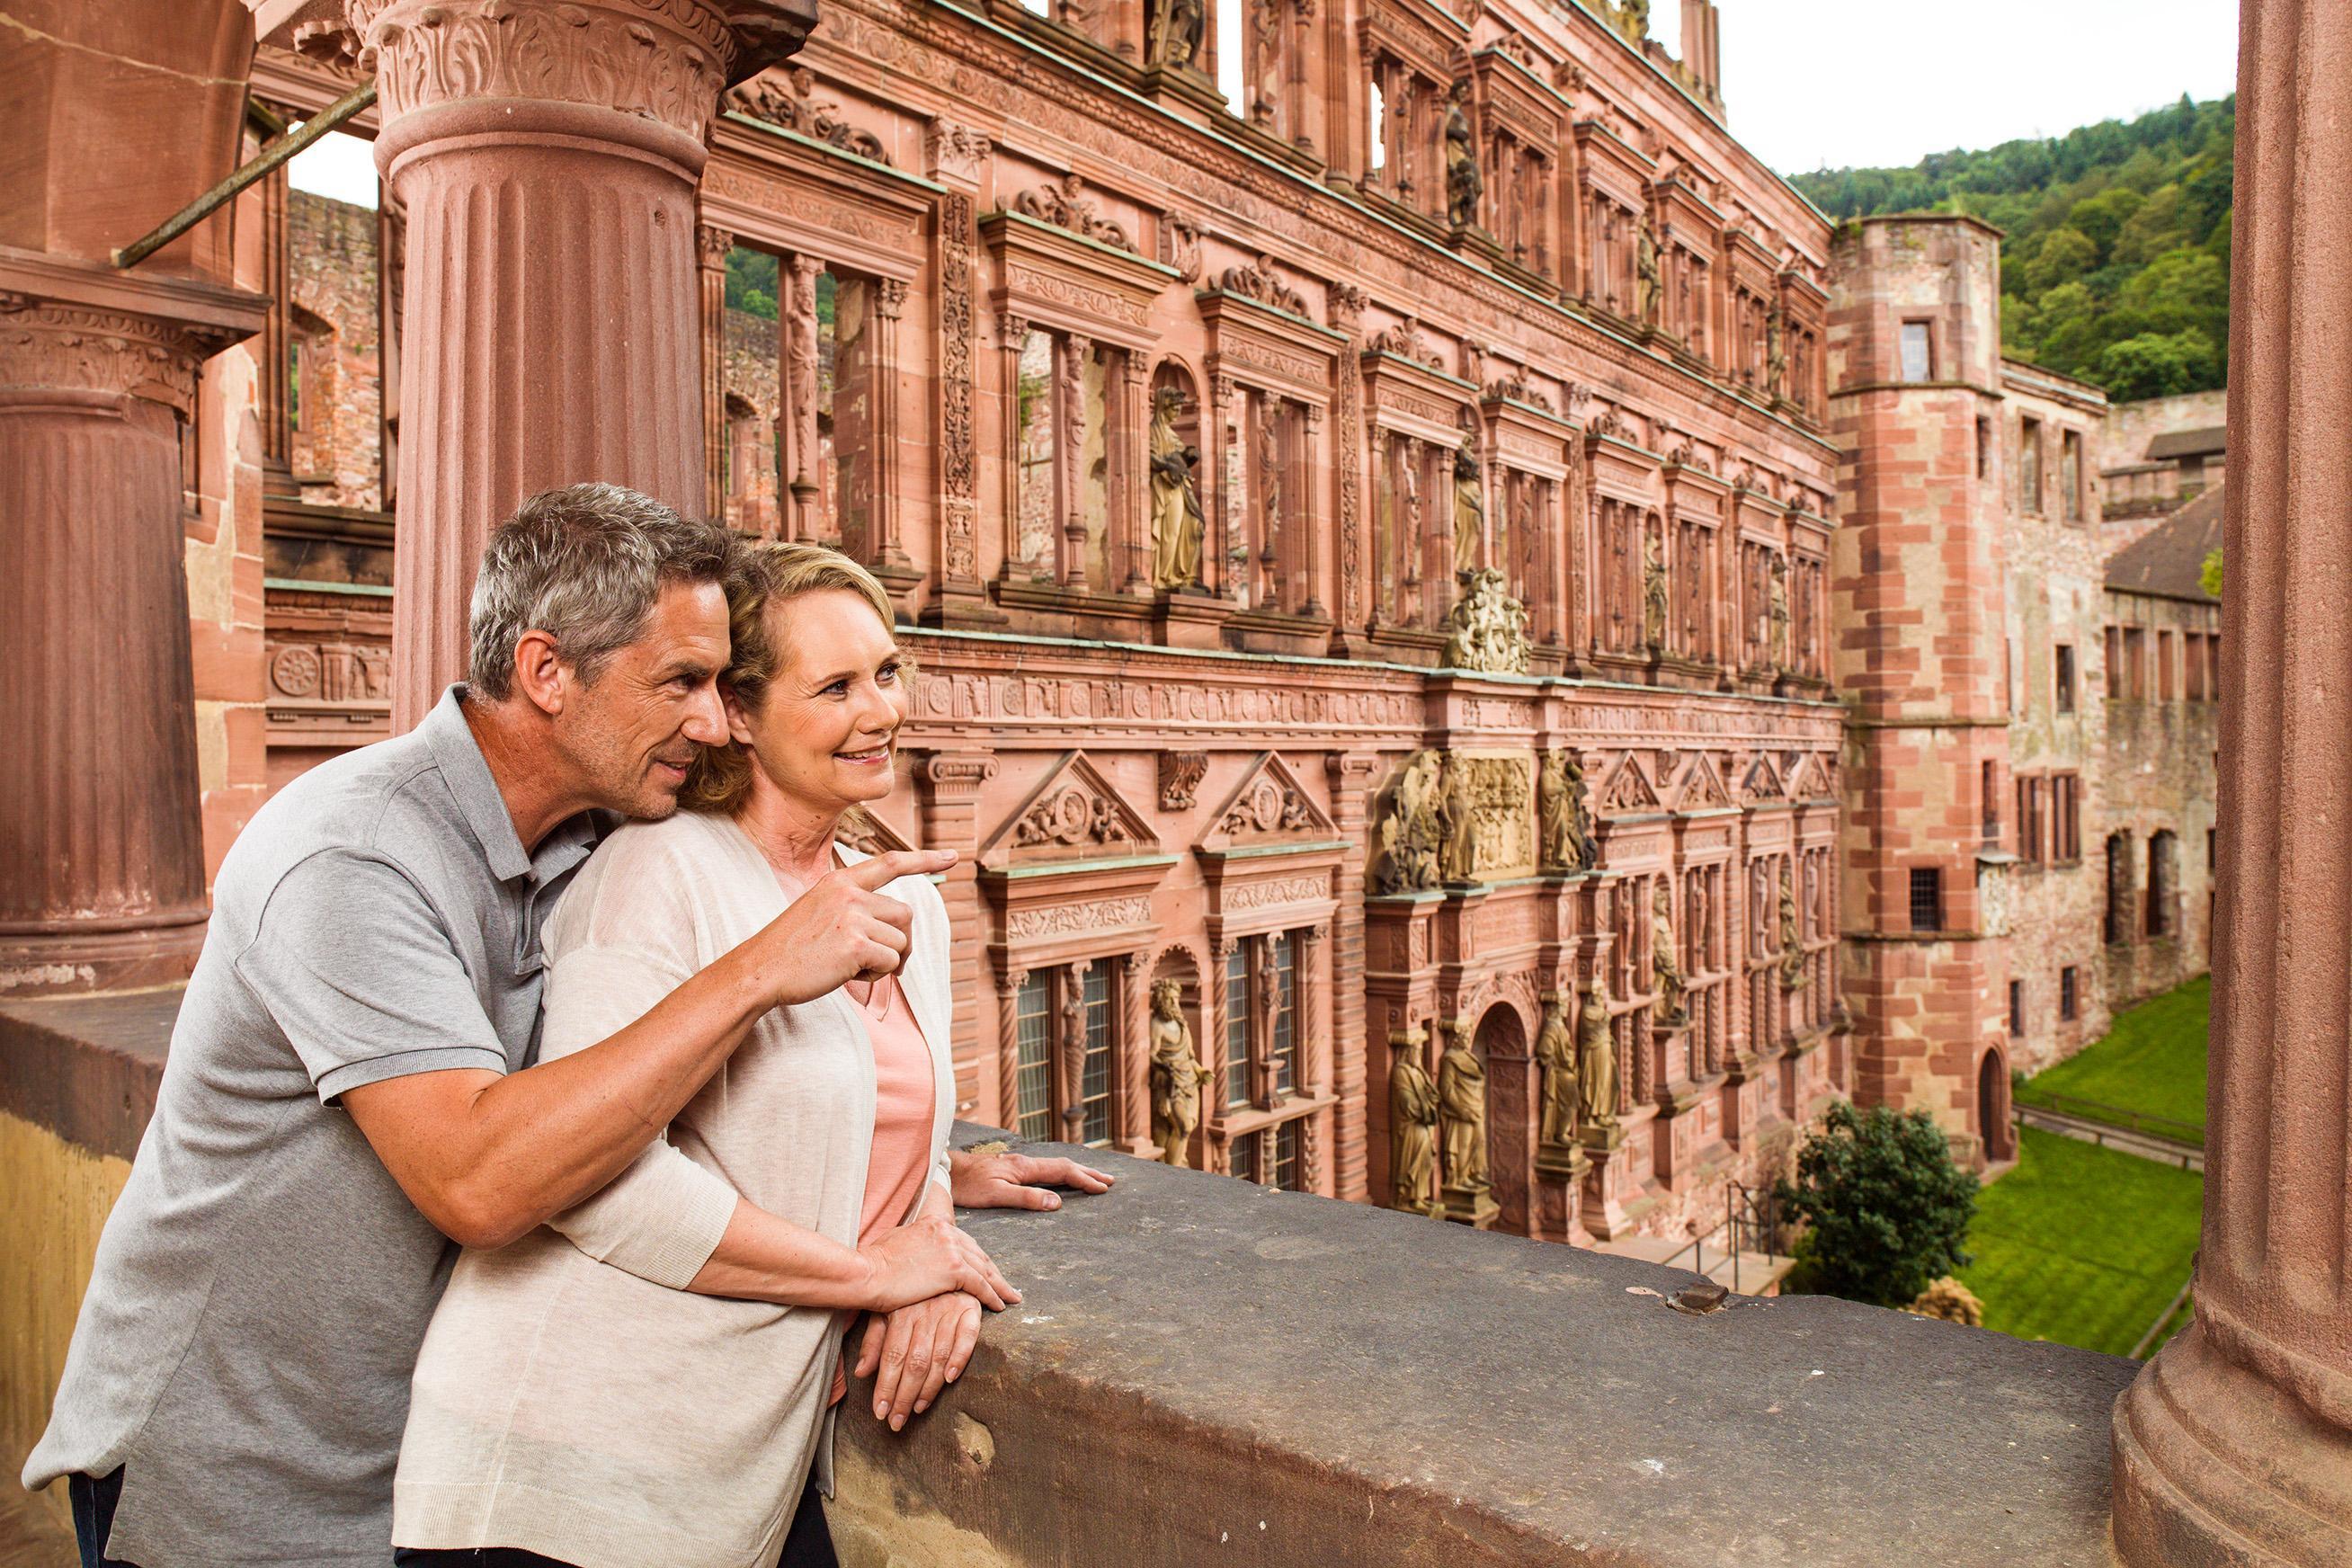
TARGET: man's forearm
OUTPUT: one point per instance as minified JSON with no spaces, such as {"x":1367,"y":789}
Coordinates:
{"x":533,"y":1143}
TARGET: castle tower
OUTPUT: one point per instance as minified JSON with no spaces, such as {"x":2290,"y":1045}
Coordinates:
{"x":1917,"y":599}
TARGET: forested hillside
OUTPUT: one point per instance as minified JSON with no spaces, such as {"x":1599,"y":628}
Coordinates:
{"x":2117,"y":266}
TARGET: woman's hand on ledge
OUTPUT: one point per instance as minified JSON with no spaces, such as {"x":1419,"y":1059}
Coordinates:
{"x":929,"y":1257}
{"x":916,"y":1350}
{"x":1002,"y":1180}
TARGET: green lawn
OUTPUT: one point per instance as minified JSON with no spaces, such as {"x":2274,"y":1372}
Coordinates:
{"x":2082,"y":1244}
{"x":2151,"y":1061}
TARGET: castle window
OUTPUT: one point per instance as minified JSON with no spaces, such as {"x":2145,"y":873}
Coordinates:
{"x":2069,"y":1004}
{"x":1918,"y":351}
{"x":2029,"y":467}
{"x":2065,"y":682}
{"x":2016,"y":1008}
{"x":1926,"y":898}
{"x":2070,"y":474}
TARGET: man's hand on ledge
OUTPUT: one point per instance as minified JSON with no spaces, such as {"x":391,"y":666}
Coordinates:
{"x":1002,"y":1180}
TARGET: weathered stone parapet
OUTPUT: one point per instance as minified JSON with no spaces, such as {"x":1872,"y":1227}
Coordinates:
{"x":2235,"y":1444}
{"x":1203,"y":1373}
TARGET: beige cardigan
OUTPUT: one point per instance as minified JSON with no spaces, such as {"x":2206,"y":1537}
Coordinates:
{"x":572,"y":1397}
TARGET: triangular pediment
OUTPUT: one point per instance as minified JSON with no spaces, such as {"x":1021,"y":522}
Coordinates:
{"x":1075,"y":814}
{"x":1268,"y":806}
{"x":1629,"y":788}
{"x":868,"y":835}
{"x":1762,"y":783}
{"x":1701,"y":787}
{"x":1811,"y":779}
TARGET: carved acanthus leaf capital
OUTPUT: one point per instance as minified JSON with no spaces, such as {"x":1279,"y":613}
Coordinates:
{"x":58,"y":347}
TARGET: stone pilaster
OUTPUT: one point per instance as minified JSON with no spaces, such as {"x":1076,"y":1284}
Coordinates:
{"x":711,"y":247}
{"x":949,"y":783}
{"x":1356,"y":1061}
{"x":956,"y":154}
{"x":547,"y":155}
{"x":2235,"y":1444}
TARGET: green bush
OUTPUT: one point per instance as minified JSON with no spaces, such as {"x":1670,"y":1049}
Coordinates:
{"x":1887,"y":1211}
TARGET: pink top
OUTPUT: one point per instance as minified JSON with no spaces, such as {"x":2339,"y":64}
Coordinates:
{"x":903,"y":1106}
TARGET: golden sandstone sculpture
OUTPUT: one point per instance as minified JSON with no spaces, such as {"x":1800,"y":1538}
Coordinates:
{"x":1410,"y":833}
{"x":1486,"y":630}
{"x":1463,"y":182}
{"x":1462,"y":1111}
{"x":1469,"y":508}
{"x":1458,"y":812}
{"x":1555,"y":1059}
{"x":1177,"y":525}
{"x":1176,"y":1075}
{"x":1413,"y":1127}
{"x":1654,"y":594}
{"x":1596,"y":1059}
{"x":1665,"y":961}
{"x":1564,"y":821}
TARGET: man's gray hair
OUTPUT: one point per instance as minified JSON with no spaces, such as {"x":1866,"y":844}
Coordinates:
{"x":585,"y":565}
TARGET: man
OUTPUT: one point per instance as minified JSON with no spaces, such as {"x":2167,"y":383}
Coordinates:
{"x":351,"y":1087}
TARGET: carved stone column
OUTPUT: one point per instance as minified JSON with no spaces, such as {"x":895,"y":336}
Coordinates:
{"x":1012,"y":333}
{"x":1132,"y":1058}
{"x":1307,"y":549}
{"x":1073,"y":352}
{"x":712,"y":246}
{"x":1070,"y":1047}
{"x":547,"y":153}
{"x":1132,"y":518}
{"x":101,"y":851}
{"x":798,"y":453}
{"x":1213,"y":1004}
{"x":2234,"y":1446}
{"x":949,"y":785}
{"x":1314,"y":1053}
{"x":890,"y":554}
{"x":1011,"y":978}
{"x":1347,"y":312}
{"x":955,"y":155}
{"x":1359,"y":1068}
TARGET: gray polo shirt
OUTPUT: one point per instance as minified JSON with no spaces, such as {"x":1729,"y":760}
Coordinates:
{"x":262,"y":1284}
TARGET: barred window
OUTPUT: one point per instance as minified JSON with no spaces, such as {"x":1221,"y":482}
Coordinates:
{"x":1094,"y":1070}
{"x":1284,"y":1046}
{"x":2068,"y":1003}
{"x":1034,"y":1060}
{"x":1926,"y":898}
{"x":1237,"y":1025}
{"x":2016,"y":1008}
{"x":1284,"y":1175}
{"x":1242,"y":1159}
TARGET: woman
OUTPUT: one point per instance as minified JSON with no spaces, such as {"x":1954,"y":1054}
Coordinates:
{"x":648,"y":1383}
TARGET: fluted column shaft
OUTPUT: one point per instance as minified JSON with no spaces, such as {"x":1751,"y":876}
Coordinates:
{"x":546,"y":155}
{"x":101,"y":848}
{"x":2235,"y":1444}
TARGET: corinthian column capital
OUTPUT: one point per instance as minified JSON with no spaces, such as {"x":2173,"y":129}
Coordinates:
{"x":664,"y":60}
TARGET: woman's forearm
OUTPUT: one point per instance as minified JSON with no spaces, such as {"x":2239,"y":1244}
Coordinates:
{"x":764,"y":1258}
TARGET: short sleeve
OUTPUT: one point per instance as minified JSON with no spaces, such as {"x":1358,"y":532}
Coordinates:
{"x":357,"y":967}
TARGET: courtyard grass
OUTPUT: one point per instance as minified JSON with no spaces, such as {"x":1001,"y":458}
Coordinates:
{"x":2080,"y":1245}
{"x":2152,"y":1062}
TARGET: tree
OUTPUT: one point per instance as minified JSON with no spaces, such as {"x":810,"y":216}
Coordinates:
{"x":2208,"y":575}
{"x":2065,"y":255}
{"x":1888,"y":1208}
{"x":2154,"y":364}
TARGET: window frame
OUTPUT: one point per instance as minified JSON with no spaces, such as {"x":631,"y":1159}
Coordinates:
{"x":1926,"y":885}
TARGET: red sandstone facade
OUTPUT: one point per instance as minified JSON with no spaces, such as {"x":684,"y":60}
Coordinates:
{"x":1014,"y":256}
{"x":2027,"y":841}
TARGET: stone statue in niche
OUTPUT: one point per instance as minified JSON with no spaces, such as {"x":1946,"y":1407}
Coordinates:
{"x":1265,"y":988}
{"x":1776,"y":352}
{"x":1469,"y":508}
{"x":1412,"y":1129}
{"x":1596,"y":1059}
{"x":1779,"y":597}
{"x":1654,"y":594}
{"x":1266,"y":22}
{"x":1486,"y":630}
{"x":1176,"y":1076}
{"x":1792,"y":948}
{"x":1176,"y":30}
{"x":1636,"y":17}
{"x":1463,"y":182}
{"x":1648,"y":271}
{"x":1409,"y":832}
{"x":1665,"y":961}
{"x":1462,"y":1111}
{"x":1564,"y":817}
{"x":1176,"y":526}
{"x":1269,"y":482}
{"x":1457,"y":815}
{"x":1555,"y":1058}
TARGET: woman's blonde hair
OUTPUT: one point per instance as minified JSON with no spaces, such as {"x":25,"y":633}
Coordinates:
{"x":775,"y":573}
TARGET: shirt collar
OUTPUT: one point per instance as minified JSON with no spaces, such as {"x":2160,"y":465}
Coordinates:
{"x":477,"y":791}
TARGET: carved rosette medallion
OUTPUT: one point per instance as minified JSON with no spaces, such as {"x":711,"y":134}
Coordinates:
{"x":663,"y":59}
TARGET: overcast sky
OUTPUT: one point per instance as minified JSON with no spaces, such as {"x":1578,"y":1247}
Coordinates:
{"x":1811,"y":83}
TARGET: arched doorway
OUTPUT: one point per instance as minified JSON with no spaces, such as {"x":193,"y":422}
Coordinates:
{"x":1992,"y":1108}
{"x":1501,"y":1044}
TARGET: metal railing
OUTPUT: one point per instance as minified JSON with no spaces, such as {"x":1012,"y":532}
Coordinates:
{"x":1751,"y":1227}
{"x":2168,"y":1128}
